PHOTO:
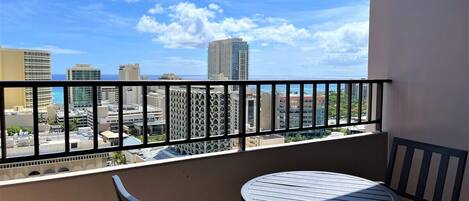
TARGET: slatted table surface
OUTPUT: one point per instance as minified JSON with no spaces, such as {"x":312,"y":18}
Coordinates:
{"x":314,"y":185}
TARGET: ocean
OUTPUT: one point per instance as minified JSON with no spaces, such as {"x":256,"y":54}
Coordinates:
{"x":58,"y":97}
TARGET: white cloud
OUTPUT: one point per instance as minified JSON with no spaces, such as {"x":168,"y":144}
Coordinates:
{"x":157,"y":9}
{"x":58,"y":50}
{"x":215,"y":7}
{"x":345,"y":44}
{"x":149,"y":24}
{"x":53,"y":49}
{"x":190,"y":26}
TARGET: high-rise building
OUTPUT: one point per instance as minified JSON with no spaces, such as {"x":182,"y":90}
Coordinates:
{"x":228,"y":59}
{"x":280,"y":111}
{"x":178,"y":128}
{"x":25,"y":64}
{"x":132,"y":94}
{"x":82,"y":96}
{"x":109,"y":94}
{"x":295,"y":110}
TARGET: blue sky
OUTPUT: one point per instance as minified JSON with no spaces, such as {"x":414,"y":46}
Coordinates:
{"x":309,"y":39}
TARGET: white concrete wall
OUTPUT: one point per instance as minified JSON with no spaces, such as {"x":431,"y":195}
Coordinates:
{"x":423,"y":46}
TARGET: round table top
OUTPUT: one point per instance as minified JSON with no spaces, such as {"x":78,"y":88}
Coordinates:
{"x":314,"y":185}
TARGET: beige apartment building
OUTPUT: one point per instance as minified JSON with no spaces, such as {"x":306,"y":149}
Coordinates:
{"x":132,"y":94}
{"x":25,"y":64}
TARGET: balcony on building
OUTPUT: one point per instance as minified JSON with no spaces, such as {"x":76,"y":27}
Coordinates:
{"x":419,"y":73}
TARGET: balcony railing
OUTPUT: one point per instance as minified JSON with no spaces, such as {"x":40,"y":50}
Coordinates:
{"x":373,"y":115}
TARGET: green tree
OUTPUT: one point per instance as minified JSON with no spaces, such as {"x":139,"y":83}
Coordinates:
{"x":28,"y":130}
{"x":72,"y":125}
{"x":52,"y":122}
{"x":118,"y":158}
{"x":133,"y":131}
{"x":344,"y":105}
{"x":13,"y":130}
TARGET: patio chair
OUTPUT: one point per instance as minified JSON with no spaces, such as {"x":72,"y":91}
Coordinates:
{"x":122,"y":193}
{"x":428,"y":150}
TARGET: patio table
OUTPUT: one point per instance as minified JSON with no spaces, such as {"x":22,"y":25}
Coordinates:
{"x":314,"y":185}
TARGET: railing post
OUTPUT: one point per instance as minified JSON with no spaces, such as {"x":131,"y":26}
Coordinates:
{"x":226,"y":109}
{"x":258,"y":108}
{"x":66,"y":120}
{"x":121,"y":116}
{"x":315,"y":104}
{"x":360,"y":100}
{"x":95,"y":117}
{"x":2,"y":123}
{"x":326,"y":105}
{"x":301,"y":105}
{"x":167,"y":113}
{"x":273,"y":109}
{"x":349,"y":102}
{"x":145,"y":114}
{"x":188,"y":112}
{"x":370,"y":101}
{"x":337,"y":106}
{"x":35,"y":121}
{"x":207,"y":111}
{"x":242,"y":117}
{"x":287,"y":107}
{"x":379,"y":106}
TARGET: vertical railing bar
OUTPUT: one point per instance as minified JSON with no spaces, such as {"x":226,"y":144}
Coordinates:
{"x":315,"y":100}
{"x":349,"y":103}
{"x":242,"y":116}
{"x":167,"y":112}
{"x":360,"y":100}
{"x":145,"y":113}
{"x":302,"y":95}
{"x":188,"y":112}
{"x":370,"y":100}
{"x":66,"y":120}
{"x":121,"y":116}
{"x":2,"y":123}
{"x":379,"y":106}
{"x":273,"y":109}
{"x":326,"y":104}
{"x":35,"y":121}
{"x":287,"y":107}
{"x":258,"y":108}
{"x":207,"y":111}
{"x":337,"y":107}
{"x":95,"y":117}
{"x":225,"y":107}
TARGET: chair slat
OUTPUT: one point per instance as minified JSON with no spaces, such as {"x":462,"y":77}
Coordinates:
{"x":409,"y":155}
{"x":440,"y":180}
{"x":392,"y":160}
{"x":459,"y":176}
{"x":424,"y":168}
